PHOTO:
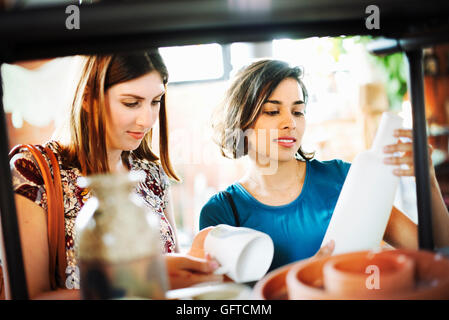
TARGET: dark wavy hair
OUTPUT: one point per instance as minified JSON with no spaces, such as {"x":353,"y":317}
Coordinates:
{"x":243,"y":104}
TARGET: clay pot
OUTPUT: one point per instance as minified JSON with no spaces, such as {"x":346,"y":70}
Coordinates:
{"x":305,"y":281}
{"x":273,"y":285}
{"x":431,"y":275}
{"x":367,"y":275}
{"x":404,"y":274}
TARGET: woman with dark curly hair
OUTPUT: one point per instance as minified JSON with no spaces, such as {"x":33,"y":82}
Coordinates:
{"x":286,"y":193}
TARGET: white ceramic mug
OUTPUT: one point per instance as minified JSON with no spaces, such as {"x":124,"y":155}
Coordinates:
{"x":244,"y":254}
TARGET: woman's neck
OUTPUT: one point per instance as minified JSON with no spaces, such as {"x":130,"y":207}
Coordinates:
{"x":286,"y":179}
{"x":115,"y":161}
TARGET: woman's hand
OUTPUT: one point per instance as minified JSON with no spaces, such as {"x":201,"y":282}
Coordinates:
{"x":440,"y":214}
{"x":197,"y":248}
{"x":405,"y":156}
{"x":326,"y":250}
{"x":184,"y":271}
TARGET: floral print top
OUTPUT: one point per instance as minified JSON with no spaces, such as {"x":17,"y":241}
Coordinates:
{"x":28,"y":182}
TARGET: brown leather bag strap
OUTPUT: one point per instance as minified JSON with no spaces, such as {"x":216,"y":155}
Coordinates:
{"x":55,"y":211}
{"x":58,"y":216}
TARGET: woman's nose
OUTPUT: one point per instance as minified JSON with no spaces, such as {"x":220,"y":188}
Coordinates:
{"x":288,"y":122}
{"x":145,"y":117}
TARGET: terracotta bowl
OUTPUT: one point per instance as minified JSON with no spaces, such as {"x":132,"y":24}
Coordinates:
{"x":273,"y":285}
{"x":368,"y":275}
{"x":305,"y":280}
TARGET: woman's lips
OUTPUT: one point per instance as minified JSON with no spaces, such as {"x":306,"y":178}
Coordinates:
{"x":286,"y":142}
{"x":136,"y":135}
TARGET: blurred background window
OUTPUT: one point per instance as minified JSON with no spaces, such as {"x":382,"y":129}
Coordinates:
{"x":194,"y":63}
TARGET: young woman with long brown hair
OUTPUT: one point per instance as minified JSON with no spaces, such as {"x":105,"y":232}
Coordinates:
{"x":119,"y":99}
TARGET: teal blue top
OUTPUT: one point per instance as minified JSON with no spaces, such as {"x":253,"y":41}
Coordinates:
{"x":297,"y":228}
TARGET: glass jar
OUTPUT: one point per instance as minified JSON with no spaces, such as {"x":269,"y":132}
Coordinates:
{"x":118,"y":244}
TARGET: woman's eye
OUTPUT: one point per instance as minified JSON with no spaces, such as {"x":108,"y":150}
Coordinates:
{"x":272,"y":113}
{"x":131,"y":104}
{"x":156,"y":102}
{"x":298,"y":113}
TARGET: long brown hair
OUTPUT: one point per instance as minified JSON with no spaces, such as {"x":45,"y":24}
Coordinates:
{"x":251,"y":87}
{"x":87,"y":145}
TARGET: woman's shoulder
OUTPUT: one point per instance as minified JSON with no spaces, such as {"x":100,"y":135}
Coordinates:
{"x":215,"y":199}
{"x":26,"y":176}
{"x":331,"y":162}
{"x":22,"y":151}
{"x":221,"y":196}
{"x":333,"y":167}
{"x":26,"y":171}
{"x":219,"y":203}
{"x":21,"y":156}
{"x":217,"y":210}
{"x":23,"y":164}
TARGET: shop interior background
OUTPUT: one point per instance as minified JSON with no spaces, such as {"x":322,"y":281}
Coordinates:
{"x":348,"y":90}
